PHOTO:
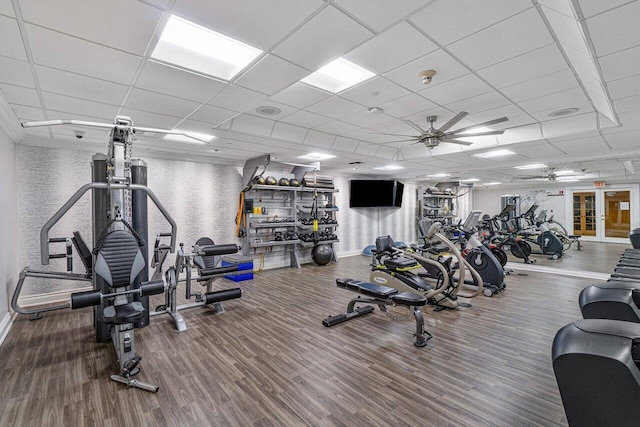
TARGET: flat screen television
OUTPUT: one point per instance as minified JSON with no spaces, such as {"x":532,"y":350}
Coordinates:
{"x":375,"y":193}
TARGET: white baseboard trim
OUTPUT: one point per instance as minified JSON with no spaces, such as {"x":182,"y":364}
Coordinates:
{"x":5,"y":325}
{"x":561,"y":271}
{"x":49,"y":298}
{"x":348,"y":253}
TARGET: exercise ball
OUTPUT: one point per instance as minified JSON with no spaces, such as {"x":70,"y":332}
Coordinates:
{"x":368,"y":250}
{"x":322,"y":254}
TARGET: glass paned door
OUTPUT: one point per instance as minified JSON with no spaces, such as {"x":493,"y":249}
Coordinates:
{"x":617,"y":213}
{"x":584,"y":213}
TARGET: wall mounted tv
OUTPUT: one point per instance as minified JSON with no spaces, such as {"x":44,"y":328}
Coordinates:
{"x":375,"y":193}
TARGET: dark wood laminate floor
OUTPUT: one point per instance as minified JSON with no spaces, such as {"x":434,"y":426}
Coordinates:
{"x":269,"y":361}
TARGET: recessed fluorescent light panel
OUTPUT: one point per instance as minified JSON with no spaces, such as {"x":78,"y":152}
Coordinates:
{"x":535,"y":166}
{"x":439,"y":175}
{"x":316,"y":156}
{"x":197,"y":48}
{"x":491,"y":183}
{"x":203,"y":138}
{"x":389,"y":168}
{"x":567,"y":179}
{"x":564,"y":172}
{"x":338,"y":75}
{"x":470,"y":180}
{"x":496,"y":153}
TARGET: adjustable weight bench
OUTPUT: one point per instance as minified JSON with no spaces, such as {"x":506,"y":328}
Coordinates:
{"x":383,"y":296}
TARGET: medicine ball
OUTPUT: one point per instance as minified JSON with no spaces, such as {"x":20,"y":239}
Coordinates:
{"x":294,"y":183}
{"x":259,"y":180}
{"x":270,"y":180}
{"x":283,"y":181}
{"x":322,"y":254}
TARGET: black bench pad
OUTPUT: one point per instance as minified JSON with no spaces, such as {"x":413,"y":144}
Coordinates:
{"x":400,"y":262}
{"x":121,"y":314}
{"x":366,"y":288}
{"x":629,"y":262}
{"x":409,"y":299}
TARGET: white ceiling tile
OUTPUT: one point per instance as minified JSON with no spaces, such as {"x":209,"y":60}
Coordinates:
{"x":581,"y":62}
{"x":446,"y":67}
{"x":285,"y":110}
{"x":71,"y":105}
{"x":625,"y":87}
{"x":28,"y":113}
{"x":388,"y":153}
{"x":79,"y":56}
{"x":543,"y":115}
{"x":569,"y":125}
{"x":11,"y":41}
{"x":6,"y":8}
{"x":515,"y":36}
{"x":252,"y":125}
{"x":319,"y":139}
{"x":455,"y":90}
{"x":519,"y":134}
{"x":79,"y":86}
{"x":593,"y":7}
{"x":324,"y":38}
{"x":374,"y":92}
{"x":122,"y":24}
{"x":288,"y":132}
{"x":342,"y":143}
{"x":271,"y":75}
{"x":379,"y":14}
{"x":615,"y":30}
{"x":381,"y":53}
{"x":154,"y":102}
{"x":300,"y":95}
{"x":556,"y":100}
{"x":540,"y":86}
{"x":367,"y":149}
{"x":365,"y":119}
{"x":451,"y":20}
{"x":561,"y":6}
{"x":176,"y":82}
{"x":213,"y":115}
{"x":621,"y":64}
{"x":196,"y":126}
{"x":566,"y":29}
{"x":407,"y":105}
{"x":306,"y":119}
{"x":147,"y":119}
{"x":255,"y":22}
{"x":20,"y":95}
{"x":237,"y":98}
{"x":628,"y":104}
{"x":485,"y":101}
{"x":531,"y":65}
{"x":336,"y":127}
{"x":335,"y":107}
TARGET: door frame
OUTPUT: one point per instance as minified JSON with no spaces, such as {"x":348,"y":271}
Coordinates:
{"x":634,"y":192}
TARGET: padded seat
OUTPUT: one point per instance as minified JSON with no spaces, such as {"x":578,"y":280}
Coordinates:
{"x":615,"y":300}
{"x":122,"y":314}
{"x":409,"y":299}
{"x":400,"y":263}
{"x":366,"y":288}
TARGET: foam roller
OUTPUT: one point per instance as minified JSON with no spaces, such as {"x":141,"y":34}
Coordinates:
{"x":219,"y":296}
{"x":152,"y":288}
{"x":85,"y":299}
{"x":220,"y":249}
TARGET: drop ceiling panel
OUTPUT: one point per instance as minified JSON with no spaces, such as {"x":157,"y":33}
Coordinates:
{"x":154,"y":102}
{"x":252,"y":125}
{"x":583,"y":107}
{"x":288,"y":132}
{"x":6,"y":8}
{"x":594,"y":7}
{"x":625,"y":87}
{"x":628,"y":104}
{"x":561,"y":6}
{"x":237,"y":98}
{"x":96,"y":61}
{"x":381,"y":54}
{"x":344,"y":144}
{"x":365,"y":119}
{"x":620,"y":64}
{"x":407,"y":105}
{"x":387,"y":153}
{"x":319,"y":139}
{"x":556,"y":100}
{"x":374,"y":92}
{"x":630,"y":119}
{"x":79,"y":86}
{"x":582,"y":148}
{"x":336,"y":127}
{"x":136,"y":21}
{"x":306,"y":119}
{"x":179,"y":83}
{"x":327,"y":36}
{"x":271,"y":75}
{"x":541,"y":86}
{"x":486,"y":101}
{"x":28,"y":113}
{"x":615,"y":30}
{"x":510,"y":111}
{"x":147,"y":119}
{"x":11,"y":40}
{"x":455,"y":90}
{"x":72,"y":106}
{"x":335,"y":107}
{"x":255,"y":22}
{"x":566,"y":29}
{"x":522,"y":68}
{"x":452,"y":20}
{"x":379,"y":14}
{"x":20,"y":95}
{"x":16,"y":72}
{"x":300,"y":95}
{"x":515,"y":36}
{"x":285,"y":110}
{"x":569,"y":125}
{"x":212,"y":115}
{"x":563,"y":143}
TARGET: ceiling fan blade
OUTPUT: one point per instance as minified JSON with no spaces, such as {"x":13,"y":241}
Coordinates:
{"x":400,"y":140}
{"x":533,"y":177}
{"x":413,"y":125}
{"x":466,"y":135}
{"x":461,"y":115}
{"x":457,"y":141}
{"x":393,"y":134}
{"x":489,"y":123}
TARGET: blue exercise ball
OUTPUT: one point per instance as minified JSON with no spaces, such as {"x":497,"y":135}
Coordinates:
{"x":322,"y":254}
{"x":368,"y":251}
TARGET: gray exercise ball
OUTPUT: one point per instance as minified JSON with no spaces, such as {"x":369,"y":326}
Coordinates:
{"x":322,"y":254}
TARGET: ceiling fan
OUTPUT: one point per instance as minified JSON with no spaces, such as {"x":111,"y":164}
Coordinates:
{"x":432,"y":137}
{"x":551,"y":176}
